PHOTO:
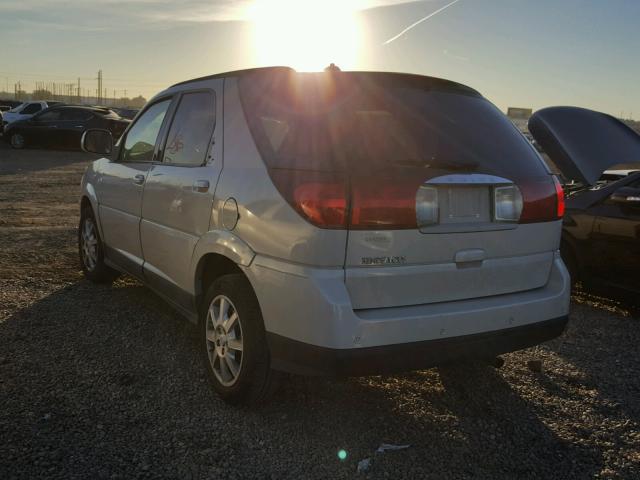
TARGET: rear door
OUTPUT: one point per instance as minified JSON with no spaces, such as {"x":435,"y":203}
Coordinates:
{"x":179,"y":191}
{"x":72,"y":125}
{"x":121,"y":184}
{"x":448,"y":202}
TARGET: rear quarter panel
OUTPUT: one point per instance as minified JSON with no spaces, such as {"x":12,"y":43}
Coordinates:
{"x":267,"y":223}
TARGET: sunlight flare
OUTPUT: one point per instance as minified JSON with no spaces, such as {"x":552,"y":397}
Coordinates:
{"x":307,"y":36}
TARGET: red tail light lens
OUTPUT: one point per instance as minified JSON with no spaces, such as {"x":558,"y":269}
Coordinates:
{"x":543,"y":200}
{"x":322,"y":199}
{"x":383,"y":204}
{"x":560,"y":195}
{"x":319,"y":197}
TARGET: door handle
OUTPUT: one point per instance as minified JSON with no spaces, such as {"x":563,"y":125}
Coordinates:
{"x":201,"y":186}
{"x":138,"y":179}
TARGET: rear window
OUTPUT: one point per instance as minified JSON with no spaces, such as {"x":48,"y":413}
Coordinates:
{"x":379,"y":122}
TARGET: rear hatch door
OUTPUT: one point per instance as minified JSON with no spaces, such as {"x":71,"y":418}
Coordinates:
{"x":433,"y":174}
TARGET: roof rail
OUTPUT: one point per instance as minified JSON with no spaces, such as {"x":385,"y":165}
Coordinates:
{"x":234,"y":73}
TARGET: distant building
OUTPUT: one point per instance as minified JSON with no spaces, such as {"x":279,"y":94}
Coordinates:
{"x":520,"y":117}
{"x":519,"y":113}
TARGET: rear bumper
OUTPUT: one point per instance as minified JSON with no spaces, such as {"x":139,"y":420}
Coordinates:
{"x":312,"y":326}
{"x":297,"y":357}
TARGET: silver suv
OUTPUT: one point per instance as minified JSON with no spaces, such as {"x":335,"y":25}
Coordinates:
{"x":344,"y":223}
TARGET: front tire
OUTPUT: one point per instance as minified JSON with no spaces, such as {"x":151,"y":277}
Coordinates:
{"x":233,"y":344}
{"x":91,"y":250}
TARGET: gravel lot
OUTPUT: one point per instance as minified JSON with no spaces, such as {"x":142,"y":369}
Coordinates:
{"x":103,"y":382}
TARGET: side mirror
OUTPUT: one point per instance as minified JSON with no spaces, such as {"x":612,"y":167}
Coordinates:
{"x":628,"y":196}
{"x":97,"y":141}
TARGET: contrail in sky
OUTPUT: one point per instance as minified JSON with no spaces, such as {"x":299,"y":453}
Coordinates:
{"x":415,"y":24}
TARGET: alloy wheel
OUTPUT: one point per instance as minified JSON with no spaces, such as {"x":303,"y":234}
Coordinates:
{"x":89,"y":244}
{"x":224,"y":340}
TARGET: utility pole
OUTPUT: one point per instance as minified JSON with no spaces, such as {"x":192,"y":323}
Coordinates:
{"x":79,"y":100}
{"x":99,"y":99}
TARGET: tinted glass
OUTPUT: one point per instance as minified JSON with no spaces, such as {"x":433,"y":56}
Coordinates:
{"x":371,"y":123}
{"x":33,"y":108}
{"x":50,"y":116}
{"x":75,"y":115}
{"x":141,"y":139}
{"x":191,"y":129}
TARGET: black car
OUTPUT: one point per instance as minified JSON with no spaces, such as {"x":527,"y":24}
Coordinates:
{"x":601,"y":227}
{"x":63,"y":126}
{"x":129,"y":113}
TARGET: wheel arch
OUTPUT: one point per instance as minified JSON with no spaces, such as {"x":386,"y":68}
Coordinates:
{"x":210,"y":267}
{"x":89,"y":199}
{"x":217,"y":253}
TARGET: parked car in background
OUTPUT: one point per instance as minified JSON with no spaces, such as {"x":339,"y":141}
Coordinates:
{"x":63,"y":126}
{"x":601,"y":228}
{"x":354,"y":223}
{"x":129,"y":113}
{"x":9,"y":104}
{"x":25,"y":110}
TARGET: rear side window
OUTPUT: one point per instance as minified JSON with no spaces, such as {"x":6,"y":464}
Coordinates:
{"x":191,"y":129}
{"x":50,"y":116}
{"x":75,"y":115}
{"x":371,"y":123}
{"x":141,"y":139}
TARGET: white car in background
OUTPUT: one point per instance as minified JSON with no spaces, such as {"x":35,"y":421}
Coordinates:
{"x":24,"y":111}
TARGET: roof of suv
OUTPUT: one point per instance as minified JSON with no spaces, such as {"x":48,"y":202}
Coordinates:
{"x":248,"y":71}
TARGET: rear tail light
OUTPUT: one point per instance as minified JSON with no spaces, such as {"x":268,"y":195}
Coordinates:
{"x":560,"y":195}
{"x":319,"y":197}
{"x":543,"y":201}
{"x":383,"y":204}
{"x":323,"y":200}
{"x":507,"y":203}
{"x":427,"y":209}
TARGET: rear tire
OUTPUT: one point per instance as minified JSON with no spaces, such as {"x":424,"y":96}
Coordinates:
{"x":17,"y":140}
{"x":91,"y":250}
{"x":233,"y":344}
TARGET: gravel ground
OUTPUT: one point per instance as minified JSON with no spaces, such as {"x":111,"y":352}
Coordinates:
{"x":103,"y":382}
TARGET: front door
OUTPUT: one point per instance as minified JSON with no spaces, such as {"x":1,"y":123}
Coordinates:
{"x":121,"y":185}
{"x":42,"y":128}
{"x":178,"y":195}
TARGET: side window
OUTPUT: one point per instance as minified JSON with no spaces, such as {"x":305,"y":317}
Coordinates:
{"x":191,"y":129}
{"x":32,"y":108}
{"x":49,"y":116}
{"x":141,"y":139}
{"x":75,"y":115}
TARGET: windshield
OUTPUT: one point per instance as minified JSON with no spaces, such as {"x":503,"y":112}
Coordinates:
{"x":377,"y":122}
{"x":18,"y":108}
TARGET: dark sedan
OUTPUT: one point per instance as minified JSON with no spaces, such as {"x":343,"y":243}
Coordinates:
{"x":63,"y":126}
{"x":601,"y":235}
{"x":601,"y":227}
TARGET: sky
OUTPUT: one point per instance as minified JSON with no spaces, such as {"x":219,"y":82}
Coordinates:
{"x":522,"y":53}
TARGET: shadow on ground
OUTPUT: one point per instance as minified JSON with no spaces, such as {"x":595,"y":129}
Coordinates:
{"x":104,"y":382}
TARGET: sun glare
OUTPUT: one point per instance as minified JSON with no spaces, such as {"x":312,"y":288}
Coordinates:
{"x":306,"y":35}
